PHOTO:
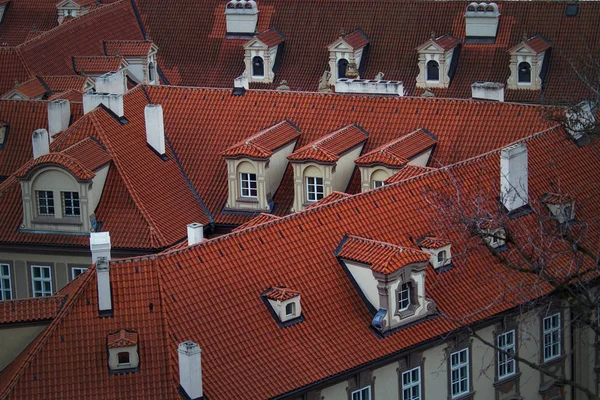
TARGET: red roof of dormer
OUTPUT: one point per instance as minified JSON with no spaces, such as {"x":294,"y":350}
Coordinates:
{"x":132,"y":48}
{"x":330,"y":147}
{"x":447,"y":42}
{"x":271,"y":37}
{"x":432,"y":242}
{"x":356,"y":39}
{"x":122,"y":338}
{"x":97,"y":64}
{"x":538,"y":43}
{"x":406,"y":172}
{"x":281,"y":293}
{"x":399,"y":151}
{"x":264,"y":142}
{"x":382,"y":257}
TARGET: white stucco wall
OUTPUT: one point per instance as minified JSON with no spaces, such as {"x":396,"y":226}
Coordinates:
{"x":363,"y":275}
{"x":277,"y":166}
{"x":344,"y":169}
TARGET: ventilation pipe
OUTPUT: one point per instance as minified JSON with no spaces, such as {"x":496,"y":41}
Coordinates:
{"x":195,"y":233}
{"x":190,"y":369}
{"x":514,"y":191}
{"x":155,"y":128}
{"x":100,"y":248}
{"x":59,"y":116}
{"x":40,"y":143}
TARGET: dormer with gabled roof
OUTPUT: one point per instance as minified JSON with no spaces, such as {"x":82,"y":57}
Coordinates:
{"x":438,"y":58}
{"x":390,"y":278}
{"x":73,"y":8}
{"x":529,"y":62}
{"x":94,"y":66}
{"x":256,"y":166}
{"x":346,"y":55}
{"x":438,"y":249}
{"x":123,"y":354}
{"x":326,"y":165}
{"x":141,"y":56}
{"x":560,"y":206}
{"x":284,"y":305}
{"x":414,"y":148}
{"x":262,"y":54}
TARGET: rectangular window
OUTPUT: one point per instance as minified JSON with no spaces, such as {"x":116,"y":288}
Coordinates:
{"x":248,"y":185}
{"x":404,"y":297}
{"x":362,"y":394}
{"x":41,"y":281}
{"x":459,"y":372}
{"x":70,"y":201}
{"x":551,"y":337}
{"x":314,"y":188}
{"x":377,"y":184}
{"x":45,"y":202}
{"x":506,"y":362}
{"x":5,"y":287}
{"x":411,"y":384}
{"x":76,"y":271}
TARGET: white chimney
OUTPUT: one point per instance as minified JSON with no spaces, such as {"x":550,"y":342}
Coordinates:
{"x":112,"y":83}
{"x":59,"y":116}
{"x":40,"y":142}
{"x":488,"y":91}
{"x":514,"y":191}
{"x":114,"y":102}
{"x":195,"y":233}
{"x":241,"y":17}
{"x":155,"y":127}
{"x":481,"y":21}
{"x":100,"y":248}
{"x":190,"y":369}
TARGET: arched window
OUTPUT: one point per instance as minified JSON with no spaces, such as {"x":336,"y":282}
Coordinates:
{"x":151,"y":72}
{"x":441,"y":257}
{"x":290,"y":310}
{"x":258,"y":66}
{"x":433,"y":71}
{"x":342,"y":67}
{"x":524,"y":72}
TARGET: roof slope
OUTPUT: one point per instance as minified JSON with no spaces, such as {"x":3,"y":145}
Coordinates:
{"x":327,"y":342}
{"x":265,"y":142}
{"x":14,"y":70}
{"x":398,"y":152}
{"x":330,"y":147}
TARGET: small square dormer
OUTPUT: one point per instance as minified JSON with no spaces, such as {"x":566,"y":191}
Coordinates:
{"x":560,"y":206}
{"x":529,"y":62}
{"x":438,"y":250}
{"x":72,"y":8}
{"x":325,"y":165}
{"x":284,"y":304}
{"x":346,"y":56}
{"x":493,"y":234}
{"x":256,"y":166}
{"x":139,"y":54}
{"x":390,"y":278}
{"x":123,"y":354}
{"x":438,"y":58}
{"x":262,"y":54}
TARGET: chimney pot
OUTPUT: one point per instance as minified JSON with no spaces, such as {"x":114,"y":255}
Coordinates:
{"x":195,"y":233}
{"x":155,"y":127}
{"x":100,"y":245}
{"x":59,"y":116}
{"x":514,"y":191}
{"x":40,"y":142}
{"x":190,"y":369}
{"x":481,"y":21}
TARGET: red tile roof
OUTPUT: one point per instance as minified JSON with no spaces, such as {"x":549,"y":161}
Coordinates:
{"x":122,"y":338}
{"x":383,"y":257}
{"x":66,"y":161}
{"x":330,"y":198}
{"x":71,"y":95}
{"x":259,"y":219}
{"x":356,"y":39}
{"x":264,"y":143}
{"x":89,"y":153}
{"x":447,"y":42}
{"x":406,"y":172}
{"x":14,"y":69}
{"x":183,"y":285}
{"x":97,"y":64}
{"x":128,"y":48}
{"x":29,"y":310}
{"x":330,"y":147}
{"x":63,"y":83}
{"x":32,"y":88}
{"x":281,"y":293}
{"x":401,"y":150}
{"x":24,"y":17}
{"x":538,"y":44}
{"x":271,"y":37}
{"x":432,"y":242}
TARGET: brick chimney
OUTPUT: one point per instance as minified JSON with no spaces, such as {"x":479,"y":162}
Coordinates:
{"x":241,"y":17}
{"x":59,"y":116}
{"x":100,"y":248}
{"x":40,"y":142}
{"x":195,"y":233}
{"x":190,"y":369}
{"x":155,"y":128}
{"x":514,"y":191}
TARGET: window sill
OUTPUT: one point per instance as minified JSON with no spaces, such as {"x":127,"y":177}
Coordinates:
{"x":57,"y":221}
{"x":507,"y":379}
{"x":409,"y":312}
{"x":466,"y":396}
{"x":247,"y":200}
{"x":552,"y":362}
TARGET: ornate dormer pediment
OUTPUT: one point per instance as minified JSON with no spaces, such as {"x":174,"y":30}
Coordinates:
{"x":529,"y":63}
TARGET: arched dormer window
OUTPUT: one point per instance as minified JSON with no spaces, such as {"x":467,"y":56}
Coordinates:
{"x":441,"y":257}
{"x":433,"y":71}
{"x":342,"y":67}
{"x":258,"y":66}
{"x":524,"y":73}
{"x":151,"y":72}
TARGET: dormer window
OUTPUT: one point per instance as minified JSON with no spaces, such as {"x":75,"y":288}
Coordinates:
{"x":70,"y":203}
{"x":433,"y":71}
{"x":314,"y":188}
{"x":290,"y":310}
{"x":560,"y":206}
{"x":438,"y":249}
{"x":438,"y":58}
{"x":377,"y":184}
{"x":403,"y":297}
{"x":45,"y":203}
{"x":261,"y":55}
{"x":123,"y":354}
{"x":525,"y":73}
{"x":123,"y":359}
{"x":342,"y":68}
{"x":347,"y":53}
{"x":258,"y":67}
{"x":284,"y":305}
{"x":529,"y":63}
{"x":441,"y":257}
{"x":248,"y":182}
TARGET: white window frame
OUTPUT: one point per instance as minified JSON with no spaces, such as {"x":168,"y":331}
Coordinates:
{"x":507,"y":343}
{"x":46,"y":199}
{"x":427,"y":72}
{"x":246,"y":192}
{"x":42,"y":279}
{"x":81,"y":270}
{"x":63,"y":197}
{"x":313,"y":189}
{"x":409,"y":385}
{"x":5,"y":282}
{"x":550,"y":341}
{"x":404,"y":291}
{"x":377,"y":184}
{"x":363,"y":393}
{"x":462,"y":371}
{"x":119,"y":363}
{"x":293,"y":308}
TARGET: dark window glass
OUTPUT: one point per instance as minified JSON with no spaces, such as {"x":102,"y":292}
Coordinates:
{"x":524,"y":73}
{"x":258,"y":66}
{"x":342,"y":67}
{"x":433,"y":71}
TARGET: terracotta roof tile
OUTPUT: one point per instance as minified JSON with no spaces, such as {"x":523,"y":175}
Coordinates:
{"x":63,"y":83}
{"x":271,"y":37}
{"x":281,"y":293}
{"x":447,"y":42}
{"x":330,"y":198}
{"x":432,"y":242}
{"x":14,"y":69}
{"x":383,"y":257}
{"x":61,"y":159}
{"x":72,"y":95}
{"x":29,"y":310}
{"x":330,"y":147}
{"x":538,"y":44}
{"x":259,"y":219}
{"x":128,"y":48}
{"x":265,"y":142}
{"x":555,"y":198}
{"x":356,"y":39}
{"x":89,"y":153}
{"x":32,"y":88}
{"x":122,"y":338}
{"x":406,"y":172}
{"x":97,"y":64}
{"x":24,"y":18}
{"x":399,"y":151}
